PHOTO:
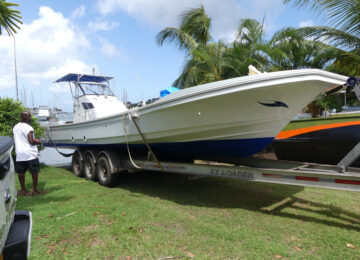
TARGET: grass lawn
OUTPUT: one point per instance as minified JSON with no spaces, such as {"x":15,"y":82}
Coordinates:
{"x":165,"y":216}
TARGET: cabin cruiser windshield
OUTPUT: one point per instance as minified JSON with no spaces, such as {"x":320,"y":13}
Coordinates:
{"x":93,"y":89}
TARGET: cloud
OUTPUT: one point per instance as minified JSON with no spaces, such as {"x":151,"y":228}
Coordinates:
{"x":46,"y":49}
{"x":225,"y":15}
{"x":78,"y":12}
{"x":56,"y":88}
{"x":7,"y":78}
{"x":306,"y":23}
{"x":110,"y":51}
{"x":102,"y":26}
{"x":7,"y":81}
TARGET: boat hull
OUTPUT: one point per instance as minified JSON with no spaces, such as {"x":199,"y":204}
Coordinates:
{"x":227,"y":119}
{"x":324,"y":143}
{"x":220,"y":150}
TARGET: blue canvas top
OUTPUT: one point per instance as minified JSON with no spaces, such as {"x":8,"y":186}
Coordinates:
{"x":71,"y":77}
{"x":168,"y":91}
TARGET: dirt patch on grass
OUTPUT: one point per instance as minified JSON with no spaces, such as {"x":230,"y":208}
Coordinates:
{"x":91,"y":227}
{"x":95,"y":242}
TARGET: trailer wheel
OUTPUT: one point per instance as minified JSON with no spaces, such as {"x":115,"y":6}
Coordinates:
{"x":89,"y":168}
{"x":77,"y":164}
{"x":103,"y":170}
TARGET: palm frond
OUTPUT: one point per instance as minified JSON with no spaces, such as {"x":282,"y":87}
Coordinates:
{"x":342,"y":14}
{"x":196,"y":23}
{"x":250,"y":31}
{"x":9,"y":18}
{"x":332,"y":36}
{"x":176,"y":36}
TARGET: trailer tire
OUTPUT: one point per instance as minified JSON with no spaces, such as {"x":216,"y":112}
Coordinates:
{"x":89,"y":167}
{"x":104,"y":174}
{"x":77,"y":164}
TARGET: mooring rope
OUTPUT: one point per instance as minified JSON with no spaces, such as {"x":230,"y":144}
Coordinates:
{"x":147,"y":145}
{"x":144,"y":141}
{"x":127,"y":145}
{"x":63,"y":154}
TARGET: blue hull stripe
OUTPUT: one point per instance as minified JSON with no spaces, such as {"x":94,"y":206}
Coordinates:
{"x":215,"y":149}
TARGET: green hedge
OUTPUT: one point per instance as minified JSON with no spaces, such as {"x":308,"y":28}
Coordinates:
{"x":10,"y":115}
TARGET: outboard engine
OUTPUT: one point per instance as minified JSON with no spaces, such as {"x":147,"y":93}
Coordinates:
{"x":351,"y":83}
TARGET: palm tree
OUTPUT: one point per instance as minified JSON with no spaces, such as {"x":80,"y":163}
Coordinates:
{"x":207,"y":62}
{"x":9,"y":18}
{"x":342,"y":36}
{"x":288,"y":49}
{"x":194,"y":30}
{"x":206,"y":65}
{"x":193,"y":37}
{"x":247,"y":49}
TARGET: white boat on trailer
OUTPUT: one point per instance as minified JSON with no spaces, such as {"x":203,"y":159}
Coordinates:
{"x":221,"y":121}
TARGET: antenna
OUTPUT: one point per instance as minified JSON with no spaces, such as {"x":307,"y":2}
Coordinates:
{"x":93,"y":69}
{"x":32,"y":99}
{"x":24,"y":96}
{"x":16,"y":81}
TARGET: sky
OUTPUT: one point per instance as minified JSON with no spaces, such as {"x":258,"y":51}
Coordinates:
{"x":116,"y":38}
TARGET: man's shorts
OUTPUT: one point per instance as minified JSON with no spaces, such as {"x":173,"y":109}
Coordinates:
{"x":32,"y":165}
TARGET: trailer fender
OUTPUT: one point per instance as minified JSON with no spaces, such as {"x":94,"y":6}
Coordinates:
{"x":114,"y":161}
{"x":92,"y":153}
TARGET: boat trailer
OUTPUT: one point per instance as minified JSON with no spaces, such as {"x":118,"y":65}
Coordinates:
{"x":107,"y":167}
{"x":264,"y":170}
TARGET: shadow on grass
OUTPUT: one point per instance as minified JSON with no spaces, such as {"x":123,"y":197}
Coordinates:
{"x":229,"y":193}
{"x":207,"y":192}
{"x":349,"y":219}
{"x":26,"y":202}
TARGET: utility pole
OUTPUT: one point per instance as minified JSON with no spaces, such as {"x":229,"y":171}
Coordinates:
{"x":16,"y":81}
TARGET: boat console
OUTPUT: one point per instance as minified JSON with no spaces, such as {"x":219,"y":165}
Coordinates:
{"x":92,"y":97}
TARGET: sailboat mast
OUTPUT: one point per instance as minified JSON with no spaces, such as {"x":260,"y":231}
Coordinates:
{"x":16,"y":81}
{"x":24,"y":100}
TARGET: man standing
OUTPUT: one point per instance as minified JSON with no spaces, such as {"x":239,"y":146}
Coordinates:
{"x":26,"y":152}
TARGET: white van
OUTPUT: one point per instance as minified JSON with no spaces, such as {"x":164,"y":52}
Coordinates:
{"x":15,"y":226}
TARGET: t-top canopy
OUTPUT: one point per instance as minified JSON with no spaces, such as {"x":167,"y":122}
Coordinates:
{"x":72,"y":77}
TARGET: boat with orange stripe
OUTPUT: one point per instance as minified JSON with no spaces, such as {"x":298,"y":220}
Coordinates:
{"x":318,"y":140}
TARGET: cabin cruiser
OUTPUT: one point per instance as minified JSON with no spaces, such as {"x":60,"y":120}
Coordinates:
{"x":222,"y":121}
{"x":43,"y":113}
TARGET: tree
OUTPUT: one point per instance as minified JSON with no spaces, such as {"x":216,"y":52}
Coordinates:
{"x":288,"y":49}
{"x":342,"y":36}
{"x":212,"y":61}
{"x":247,"y":49}
{"x":10,"y":115}
{"x":194,"y":30}
{"x":9,"y":18}
{"x":205,"y":65}
{"x":193,"y":37}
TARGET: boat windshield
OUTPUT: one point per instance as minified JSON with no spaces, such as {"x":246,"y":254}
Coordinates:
{"x":93,"y":89}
